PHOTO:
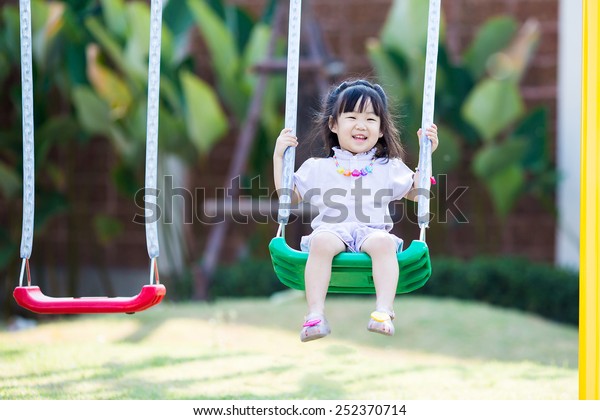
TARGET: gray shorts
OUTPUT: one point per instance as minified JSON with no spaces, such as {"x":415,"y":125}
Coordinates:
{"x":352,"y":234}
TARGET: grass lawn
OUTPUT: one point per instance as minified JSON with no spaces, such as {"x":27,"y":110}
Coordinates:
{"x":250,"y":349}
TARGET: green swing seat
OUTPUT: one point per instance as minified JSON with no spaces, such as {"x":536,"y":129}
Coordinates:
{"x":351,"y":272}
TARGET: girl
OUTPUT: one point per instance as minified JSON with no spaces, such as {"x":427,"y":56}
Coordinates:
{"x":352,"y":189}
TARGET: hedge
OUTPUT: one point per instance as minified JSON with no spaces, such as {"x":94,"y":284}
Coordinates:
{"x":510,"y":282}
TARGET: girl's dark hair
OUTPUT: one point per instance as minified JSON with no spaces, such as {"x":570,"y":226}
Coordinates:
{"x":345,"y":98}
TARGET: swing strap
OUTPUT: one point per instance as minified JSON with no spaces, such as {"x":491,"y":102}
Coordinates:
{"x":424,"y":174}
{"x":151,"y":192}
{"x":291,"y":107}
{"x":291,"y":111}
{"x":151,"y":132}
{"x":28,"y":146}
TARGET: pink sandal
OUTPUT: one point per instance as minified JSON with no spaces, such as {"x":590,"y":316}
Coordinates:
{"x":381,"y":323}
{"x":315,"y":326}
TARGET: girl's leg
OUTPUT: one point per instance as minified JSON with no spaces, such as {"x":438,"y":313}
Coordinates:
{"x":323,"y":247}
{"x":382,"y":249}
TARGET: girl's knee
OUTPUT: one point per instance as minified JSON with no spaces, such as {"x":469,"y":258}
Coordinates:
{"x":326,"y":243}
{"x":379,"y":243}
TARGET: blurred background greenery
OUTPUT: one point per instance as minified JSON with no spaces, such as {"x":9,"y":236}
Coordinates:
{"x":90,"y":63}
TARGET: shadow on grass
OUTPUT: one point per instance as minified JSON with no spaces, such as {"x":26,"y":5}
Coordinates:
{"x":118,"y":381}
{"x":434,"y":326}
{"x":112,"y":370}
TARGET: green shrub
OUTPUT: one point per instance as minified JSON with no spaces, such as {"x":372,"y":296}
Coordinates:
{"x":507,"y":281}
{"x":510,"y":282}
{"x":248,"y":277}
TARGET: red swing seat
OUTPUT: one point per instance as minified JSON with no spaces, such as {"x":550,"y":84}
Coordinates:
{"x":32,"y":298}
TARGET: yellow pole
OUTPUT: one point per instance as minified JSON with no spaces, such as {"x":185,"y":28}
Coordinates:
{"x":589,"y":313}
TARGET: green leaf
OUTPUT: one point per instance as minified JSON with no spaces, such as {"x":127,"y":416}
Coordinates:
{"x":255,"y":52}
{"x":48,"y":205}
{"x":405,"y":29}
{"x":111,"y":46}
{"x":271,"y":118}
{"x":240,"y":24}
{"x":170,"y":95}
{"x":107,"y":228}
{"x":10,"y":181}
{"x":388,"y":73}
{"x":492,"y":106}
{"x":172,"y":136}
{"x":448,"y":154}
{"x":52,"y":132}
{"x":54,"y":175}
{"x":129,"y":148}
{"x":534,"y":128}
{"x":108,"y":85}
{"x":268,"y":12}
{"x":92,"y":112}
{"x":138,"y":39}
{"x":75,"y":64}
{"x":205,"y":120}
{"x":115,"y":17}
{"x":10,"y":31}
{"x":505,"y":187}
{"x":224,"y":53}
{"x":40,"y":12}
{"x":134,"y":123}
{"x":225,"y":57}
{"x":177,"y":17}
{"x":39,"y":15}
{"x":494,"y":158}
{"x":124,"y":178}
{"x":493,"y":36}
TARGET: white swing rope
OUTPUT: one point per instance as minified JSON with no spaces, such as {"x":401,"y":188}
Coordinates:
{"x":151,"y":191}
{"x":433,"y":29}
{"x":28,"y":136}
{"x":28,"y":145}
{"x":291,"y":112}
{"x":291,"y":108}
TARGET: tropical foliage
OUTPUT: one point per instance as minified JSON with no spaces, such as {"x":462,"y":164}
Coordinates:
{"x":483,"y":119}
{"x":90,"y":74}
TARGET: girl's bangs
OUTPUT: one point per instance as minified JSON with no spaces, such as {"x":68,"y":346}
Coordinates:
{"x":360,"y":95}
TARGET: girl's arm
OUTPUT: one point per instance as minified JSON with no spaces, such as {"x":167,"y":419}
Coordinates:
{"x":431,"y":132}
{"x":284,"y":141}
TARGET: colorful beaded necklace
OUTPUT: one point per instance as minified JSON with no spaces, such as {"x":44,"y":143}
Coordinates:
{"x":357,"y":172}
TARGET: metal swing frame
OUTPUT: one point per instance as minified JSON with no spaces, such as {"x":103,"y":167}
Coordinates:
{"x":31,"y":297}
{"x":352,"y":272}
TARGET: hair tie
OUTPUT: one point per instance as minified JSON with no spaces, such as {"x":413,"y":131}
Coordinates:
{"x":381,"y":93}
{"x":341,"y":87}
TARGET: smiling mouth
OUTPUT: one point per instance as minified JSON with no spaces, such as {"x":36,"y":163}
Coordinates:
{"x":359,"y":138}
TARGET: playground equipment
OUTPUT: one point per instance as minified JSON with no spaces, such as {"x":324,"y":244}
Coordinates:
{"x":352,"y":272}
{"x":31,"y":297}
{"x":589,"y":295}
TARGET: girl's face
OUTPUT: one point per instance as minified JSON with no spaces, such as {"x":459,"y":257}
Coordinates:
{"x":357,"y":132}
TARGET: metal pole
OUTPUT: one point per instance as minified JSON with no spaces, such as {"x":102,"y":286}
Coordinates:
{"x":589,"y":313}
